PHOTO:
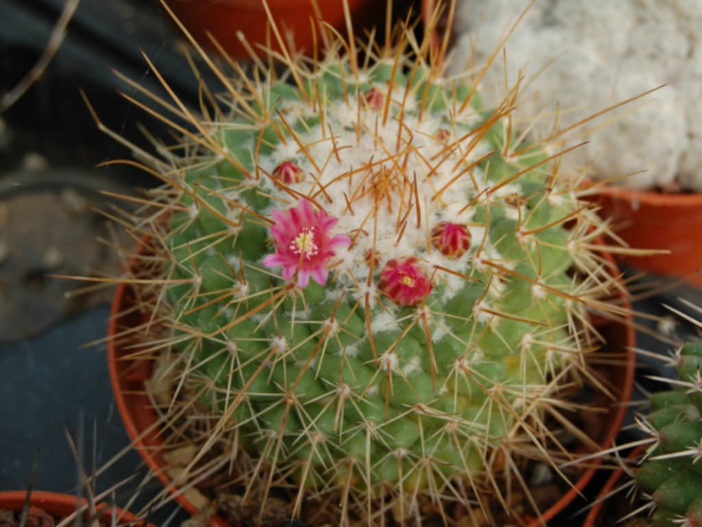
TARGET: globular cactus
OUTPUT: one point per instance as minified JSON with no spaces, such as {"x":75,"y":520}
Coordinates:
{"x":672,"y":474}
{"x":368,"y":286}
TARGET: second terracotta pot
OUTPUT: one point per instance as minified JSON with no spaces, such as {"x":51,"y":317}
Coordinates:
{"x":224,"y":19}
{"x":63,"y":505}
{"x":664,"y":222}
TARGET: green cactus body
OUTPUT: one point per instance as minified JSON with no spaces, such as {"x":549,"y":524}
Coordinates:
{"x":672,"y":475}
{"x":373,"y":282}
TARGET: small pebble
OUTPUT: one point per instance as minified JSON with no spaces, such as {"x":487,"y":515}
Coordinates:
{"x":73,"y":201}
{"x":52,"y":258}
{"x":194,"y":496}
{"x":542,"y":474}
{"x":180,"y":457}
{"x":34,"y":162}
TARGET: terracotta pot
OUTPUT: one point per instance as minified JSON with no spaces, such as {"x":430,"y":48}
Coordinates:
{"x":620,"y":338}
{"x":128,"y":376}
{"x":594,"y":517}
{"x":652,"y":220}
{"x":62,"y":505}
{"x":224,"y":18}
{"x":428,"y":7}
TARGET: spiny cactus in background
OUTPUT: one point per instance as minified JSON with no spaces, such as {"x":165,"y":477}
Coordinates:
{"x":368,"y":287}
{"x":672,"y":474}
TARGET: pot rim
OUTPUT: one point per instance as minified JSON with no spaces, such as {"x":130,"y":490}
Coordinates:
{"x":650,"y":197}
{"x":56,"y":503}
{"x":595,"y":510}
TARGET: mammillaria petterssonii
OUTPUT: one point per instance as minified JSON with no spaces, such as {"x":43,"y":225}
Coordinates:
{"x":361,"y":282}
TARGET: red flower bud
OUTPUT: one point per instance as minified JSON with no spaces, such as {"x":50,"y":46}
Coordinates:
{"x":451,"y":239}
{"x":288,"y":172}
{"x":374,"y":99}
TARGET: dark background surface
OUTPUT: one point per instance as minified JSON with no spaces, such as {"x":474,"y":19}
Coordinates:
{"x":52,"y":384}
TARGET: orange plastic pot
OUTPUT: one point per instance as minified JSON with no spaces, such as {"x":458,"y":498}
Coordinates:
{"x":128,"y":376}
{"x":620,"y":338}
{"x":223,"y":19}
{"x":428,"y":7}
{"x":596,"y":517}
{"x":652,"y":220}
{"x":62,"y":505}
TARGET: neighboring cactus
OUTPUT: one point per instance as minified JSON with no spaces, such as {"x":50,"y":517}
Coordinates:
{"x":672,"y":474}
{"x":367,"y":284}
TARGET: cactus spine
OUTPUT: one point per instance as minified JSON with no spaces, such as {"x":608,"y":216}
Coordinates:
{"x":368,"y":286}
{"x":672,"y":473}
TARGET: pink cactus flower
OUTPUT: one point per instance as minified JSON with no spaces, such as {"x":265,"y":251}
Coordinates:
{"x":288,"y":172}
{"x":404,"y":282}
{"x":452,"y":239}
{"x":303,"y":243}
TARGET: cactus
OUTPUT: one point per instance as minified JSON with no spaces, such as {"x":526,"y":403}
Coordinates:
{"x":368,"y":286}
{"x":672,"y":473}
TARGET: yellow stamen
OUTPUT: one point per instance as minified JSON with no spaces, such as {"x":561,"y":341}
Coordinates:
{"x":304,"y":243}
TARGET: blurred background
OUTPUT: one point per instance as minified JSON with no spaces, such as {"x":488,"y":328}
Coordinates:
{"x":53,"y":381}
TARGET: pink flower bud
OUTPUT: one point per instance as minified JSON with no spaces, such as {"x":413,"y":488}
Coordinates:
{"x":288,"y":172}
{"x":374,"y":99}
{"x":451,"y":239}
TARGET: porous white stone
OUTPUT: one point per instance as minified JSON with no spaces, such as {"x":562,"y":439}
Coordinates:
{"x":586,"y":56}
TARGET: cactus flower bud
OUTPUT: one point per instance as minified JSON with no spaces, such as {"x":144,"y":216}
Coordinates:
{"x":374,"y":99}
{"x":288,"y":172}
{"x":451,"y":239}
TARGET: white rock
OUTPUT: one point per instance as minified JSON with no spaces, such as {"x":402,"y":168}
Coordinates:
{"x":599,"y":53}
